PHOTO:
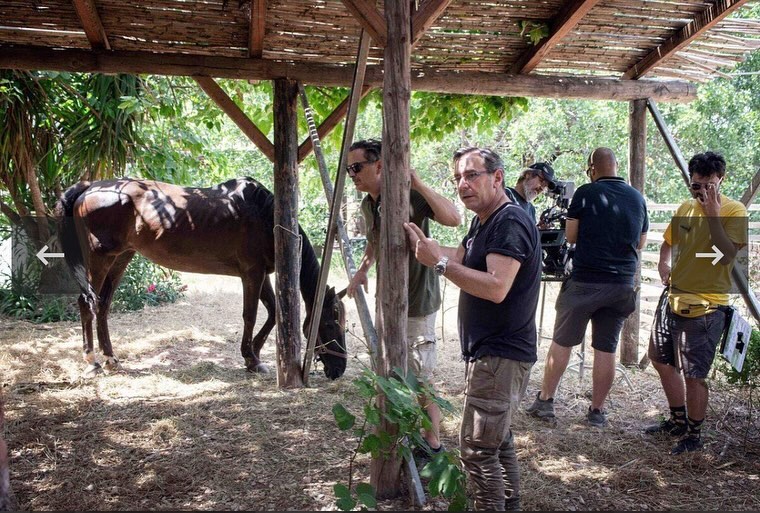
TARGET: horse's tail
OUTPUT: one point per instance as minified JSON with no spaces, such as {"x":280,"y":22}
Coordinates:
{"x":68,"y":235}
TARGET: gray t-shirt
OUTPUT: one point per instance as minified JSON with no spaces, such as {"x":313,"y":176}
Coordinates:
{"x":424,"y":286}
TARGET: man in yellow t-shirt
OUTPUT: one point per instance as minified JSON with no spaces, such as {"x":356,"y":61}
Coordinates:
{"x":702,"y":240}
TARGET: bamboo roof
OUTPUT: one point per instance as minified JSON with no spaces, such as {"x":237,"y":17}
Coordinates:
{"x":619,"y":39}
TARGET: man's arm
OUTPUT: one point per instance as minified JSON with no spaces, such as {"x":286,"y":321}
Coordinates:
{"x":492,"y":285}
{"x":360,"y":277}
{"x":444,"y":210}
{"x":571,"y":230}
{"x":663,"y":266}
{"x":711,"y":207}
{"x":642,"y":240}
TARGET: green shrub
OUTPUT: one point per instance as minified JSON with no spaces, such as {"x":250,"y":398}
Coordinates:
{"x":146,"y":284}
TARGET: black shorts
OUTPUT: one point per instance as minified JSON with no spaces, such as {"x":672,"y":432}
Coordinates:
{"x":697,"y":339}
{"x":606,"y":305}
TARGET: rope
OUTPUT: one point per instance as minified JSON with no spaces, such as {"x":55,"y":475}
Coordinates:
{"x":297,"y":235}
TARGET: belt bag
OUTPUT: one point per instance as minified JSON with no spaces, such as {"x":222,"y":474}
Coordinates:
{"x":692,"y":308}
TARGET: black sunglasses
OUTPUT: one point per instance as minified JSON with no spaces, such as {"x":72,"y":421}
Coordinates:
{"x":356,"y":167}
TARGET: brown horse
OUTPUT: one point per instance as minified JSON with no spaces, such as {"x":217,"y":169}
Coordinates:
{"x":227,"y":229}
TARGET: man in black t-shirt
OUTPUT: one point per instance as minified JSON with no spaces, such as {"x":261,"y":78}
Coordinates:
{"x":607,"y":220}
{"x":498,"y":271}
{"x":533,"y":180}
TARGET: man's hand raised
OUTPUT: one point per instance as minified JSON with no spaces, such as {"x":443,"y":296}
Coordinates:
{"x":427,"y":251}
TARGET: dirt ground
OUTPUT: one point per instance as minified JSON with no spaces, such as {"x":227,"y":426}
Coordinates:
{"x":183,"y":426}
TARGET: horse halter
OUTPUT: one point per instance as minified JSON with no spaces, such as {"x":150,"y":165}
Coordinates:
{"x":322,"y":348}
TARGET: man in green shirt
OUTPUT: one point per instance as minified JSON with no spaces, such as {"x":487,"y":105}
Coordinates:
{"x":365,"y":169}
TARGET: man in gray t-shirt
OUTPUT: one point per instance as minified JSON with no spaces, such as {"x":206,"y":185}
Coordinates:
{"x":365,"y":169}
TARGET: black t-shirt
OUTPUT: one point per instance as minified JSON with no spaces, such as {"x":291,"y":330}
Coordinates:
{"x":611,"y":216}
{"x":522,"y":202}
{"x":506,"y":329}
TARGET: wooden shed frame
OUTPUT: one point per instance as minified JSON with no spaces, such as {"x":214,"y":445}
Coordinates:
{"x":592,"y":49}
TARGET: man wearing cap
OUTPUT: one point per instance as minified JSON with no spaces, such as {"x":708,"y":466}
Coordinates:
{"x":607,"y":221}
{"x":533,"y":180}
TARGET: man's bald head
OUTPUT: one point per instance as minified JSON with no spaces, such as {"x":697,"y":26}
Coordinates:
{"x":604,"y":162}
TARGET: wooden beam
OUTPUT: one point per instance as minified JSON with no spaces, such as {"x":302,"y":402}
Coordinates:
{"x":93,"y":27}
{"x":670,"y":142}
{"x":369,"y":18}
{"x":256,"y":28}
{"x":565,"y":21}
{"x":425,"y":16}
{"x":752,"y":189}
{"x":230,"y":108}
{"x":287,"y":241}
{"x":702,"y":23}
{"x":393,"y":249}
{"x":329,"y":124}
{"x":423,"y":79}
{"x":637,"y":155}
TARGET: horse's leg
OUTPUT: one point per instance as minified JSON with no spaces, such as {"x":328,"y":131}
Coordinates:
{"x":110,"y":284}
{"x":267,"y":299}
{"x":252,"y":287}
{"x":88,"y":309}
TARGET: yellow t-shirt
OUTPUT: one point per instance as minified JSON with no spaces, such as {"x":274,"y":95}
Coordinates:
{"x":698,"y":281}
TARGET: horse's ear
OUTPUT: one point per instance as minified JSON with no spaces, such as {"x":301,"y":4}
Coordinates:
{"x":342,"y":293}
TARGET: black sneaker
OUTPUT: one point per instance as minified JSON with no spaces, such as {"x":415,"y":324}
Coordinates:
{"x":667,"y":427}
{"x":541,"y":409}
{"x":596,"y":417}
{"x":687,"y":444}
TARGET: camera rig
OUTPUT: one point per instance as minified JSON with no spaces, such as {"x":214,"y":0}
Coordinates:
{"x":557,"y":251}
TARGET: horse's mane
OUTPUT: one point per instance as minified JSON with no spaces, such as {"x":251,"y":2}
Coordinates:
{"x":258,"y":201}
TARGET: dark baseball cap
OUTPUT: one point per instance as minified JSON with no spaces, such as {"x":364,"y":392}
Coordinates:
{"x":545,"y":171}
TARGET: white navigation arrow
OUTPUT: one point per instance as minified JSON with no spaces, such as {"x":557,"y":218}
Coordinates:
{"x":716,"y":256}
{"x":41,"y":255}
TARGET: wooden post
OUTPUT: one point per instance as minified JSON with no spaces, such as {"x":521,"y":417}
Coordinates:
{"x":637,"y":150}
{"x":287,"y":242}
{"x":393,"y":269}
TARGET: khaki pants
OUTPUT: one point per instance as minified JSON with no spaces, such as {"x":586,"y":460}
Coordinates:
{"x":492,"y":394}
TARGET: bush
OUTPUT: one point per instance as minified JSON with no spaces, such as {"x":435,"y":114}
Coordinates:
{"x":146,"y":284}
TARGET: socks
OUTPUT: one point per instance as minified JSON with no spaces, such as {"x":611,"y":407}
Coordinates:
{"x":678,"y":415}
{"x":695,"y":427}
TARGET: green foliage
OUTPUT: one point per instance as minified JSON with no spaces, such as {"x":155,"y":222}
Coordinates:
{"x":400,"y":394}
{"x":36,"y":308}
{"x":447,"y":479}
{"x":435,"y":115}
{"x":146,"y":284}
{"x":750,"y":374}
{"x":536,"y":31}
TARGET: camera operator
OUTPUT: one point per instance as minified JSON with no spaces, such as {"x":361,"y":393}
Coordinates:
{"x":533,"y":180}
{"x":607,"y":220}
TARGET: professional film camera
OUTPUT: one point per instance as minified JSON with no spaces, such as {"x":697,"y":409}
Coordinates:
{"x":556,"y":250}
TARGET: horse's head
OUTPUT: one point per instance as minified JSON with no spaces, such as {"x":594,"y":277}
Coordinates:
{"x":331,"y":346}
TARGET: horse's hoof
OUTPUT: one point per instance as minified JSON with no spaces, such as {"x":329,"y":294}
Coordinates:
{"x":258,"y":369}
{"x":112,"y":365}
{"x":93,"y":370}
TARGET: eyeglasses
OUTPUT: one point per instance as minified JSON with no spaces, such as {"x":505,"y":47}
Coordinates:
{"x":695,"y":186}
{"x":356,"y":167}
{"x":468,"y":177}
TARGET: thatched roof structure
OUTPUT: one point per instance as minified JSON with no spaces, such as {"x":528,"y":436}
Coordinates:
{"x":614,"y":39}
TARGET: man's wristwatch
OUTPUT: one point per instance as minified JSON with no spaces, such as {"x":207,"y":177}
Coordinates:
{"x":440,"y":267}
